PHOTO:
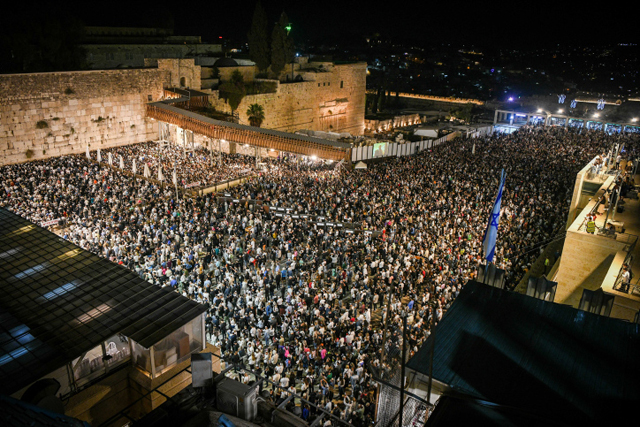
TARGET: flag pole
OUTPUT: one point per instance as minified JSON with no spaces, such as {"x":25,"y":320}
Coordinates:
{"x":491,"y":233}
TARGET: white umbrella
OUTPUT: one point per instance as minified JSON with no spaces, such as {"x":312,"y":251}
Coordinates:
{"x":121,"y":163}
{"x":110,"y":159}
{"x":147,"y":174}
{"x":88,"y":155}
{"x":99,"y":156}
{"x":134,"y":167}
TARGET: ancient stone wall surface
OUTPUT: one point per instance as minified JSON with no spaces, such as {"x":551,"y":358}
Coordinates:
{"x":182,"y":72}
{"x":332,"y":100}
{"x":50,"y":114}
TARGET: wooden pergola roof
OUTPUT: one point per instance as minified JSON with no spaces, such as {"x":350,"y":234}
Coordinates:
{"x":243,"y":134}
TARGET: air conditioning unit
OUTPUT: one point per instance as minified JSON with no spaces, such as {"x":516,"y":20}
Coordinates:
{"x":235,"y":398}
{"x":201,"y":370}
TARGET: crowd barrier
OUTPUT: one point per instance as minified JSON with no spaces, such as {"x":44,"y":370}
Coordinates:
{"x":395,"y":149}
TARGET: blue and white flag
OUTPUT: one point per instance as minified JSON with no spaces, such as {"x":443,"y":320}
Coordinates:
{"x":489,"y":242}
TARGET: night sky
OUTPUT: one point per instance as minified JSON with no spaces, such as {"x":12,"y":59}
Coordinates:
{"x":330,"y":21}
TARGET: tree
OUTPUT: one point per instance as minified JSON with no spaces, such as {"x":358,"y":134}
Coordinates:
{"x":281,"y":45}
{"x":255,"y":112}
{"x":237,"y":78}
{"x":258,"y":39}
{"x":234,"y":90}
{"x":463,"y":113}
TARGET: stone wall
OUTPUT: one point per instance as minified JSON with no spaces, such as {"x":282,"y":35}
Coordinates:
{"x":182,"y":72}
{"x":50,"y":114}
{"x":330,"y":100}
{"x":374,"y":125}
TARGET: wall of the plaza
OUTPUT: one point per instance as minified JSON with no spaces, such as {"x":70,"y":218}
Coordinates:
{"x":50,"y":114}
{"x":332,"y":101}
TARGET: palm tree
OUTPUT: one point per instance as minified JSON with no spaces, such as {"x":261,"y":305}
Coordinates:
{"x":255,"y":113}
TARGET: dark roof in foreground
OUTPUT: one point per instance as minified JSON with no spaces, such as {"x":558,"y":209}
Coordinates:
{"x":451,"y":411}
{"x":563,"y":364}
{"x":58,"y":301}
{"x":16,"y":413}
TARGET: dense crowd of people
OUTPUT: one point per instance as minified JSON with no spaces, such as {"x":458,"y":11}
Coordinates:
{"x":197,"y":165}
{"x":305,"y":305}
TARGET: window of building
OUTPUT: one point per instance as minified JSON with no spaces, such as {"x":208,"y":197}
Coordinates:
{"x":318,"y":84}
{"x":149,"y":98}
{"x":341,"y":84}
{"x":328,"y":83}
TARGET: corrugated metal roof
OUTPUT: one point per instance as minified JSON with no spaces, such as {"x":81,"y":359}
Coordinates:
{"x":165,"y":106}
{"x":511,"y":349}
{"x":58,"y":301}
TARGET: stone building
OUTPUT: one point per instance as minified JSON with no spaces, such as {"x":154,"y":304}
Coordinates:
{"x":128,"y":47}
{"x":321,"y":96}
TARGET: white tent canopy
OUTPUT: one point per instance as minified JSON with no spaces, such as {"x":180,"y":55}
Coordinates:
{"x":429,"y":133}
{"x":360,"y":165}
